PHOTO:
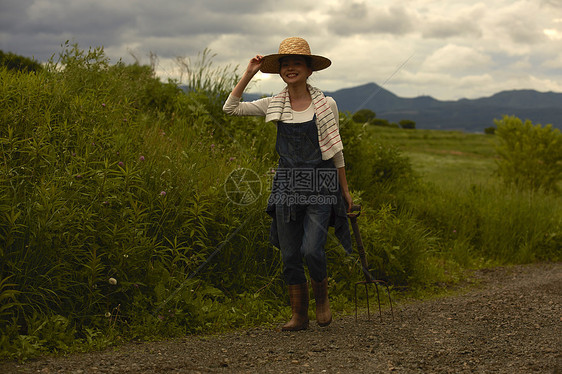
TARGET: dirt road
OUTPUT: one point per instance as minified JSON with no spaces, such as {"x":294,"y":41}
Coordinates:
{"x":510,"y":323}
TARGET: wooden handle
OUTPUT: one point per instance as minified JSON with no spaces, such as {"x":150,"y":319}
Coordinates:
{"x":360,"y":248}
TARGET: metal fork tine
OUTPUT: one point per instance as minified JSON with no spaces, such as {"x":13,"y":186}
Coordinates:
{"x":356,"y":211}
{"x":376,"y":283}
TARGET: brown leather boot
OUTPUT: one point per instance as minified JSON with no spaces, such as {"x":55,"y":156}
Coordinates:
{"x":298,"y":295}
{"x":323,"y":313}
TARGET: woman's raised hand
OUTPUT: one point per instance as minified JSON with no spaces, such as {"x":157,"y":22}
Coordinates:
{"x":254,"y":65}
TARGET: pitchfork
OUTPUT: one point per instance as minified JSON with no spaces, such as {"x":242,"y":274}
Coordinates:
{"x":355,"y":212}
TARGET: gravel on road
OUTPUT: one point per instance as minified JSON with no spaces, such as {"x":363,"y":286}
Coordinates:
{"x":509,"y":323}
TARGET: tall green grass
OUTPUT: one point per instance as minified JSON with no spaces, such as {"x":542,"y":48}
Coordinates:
{"x":493,"y":223}
{"x":463,"y":198}
{"x":109,"y":174}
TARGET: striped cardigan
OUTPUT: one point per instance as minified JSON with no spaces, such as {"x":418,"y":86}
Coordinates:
{"x":279,"y":109}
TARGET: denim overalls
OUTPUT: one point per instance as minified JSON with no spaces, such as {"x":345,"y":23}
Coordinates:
{"x":305,"y":199}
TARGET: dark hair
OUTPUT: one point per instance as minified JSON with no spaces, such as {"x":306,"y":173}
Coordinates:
{"x":307,"y":60}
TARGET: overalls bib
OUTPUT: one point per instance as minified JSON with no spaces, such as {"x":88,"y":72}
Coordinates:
{"x":304,"y":201}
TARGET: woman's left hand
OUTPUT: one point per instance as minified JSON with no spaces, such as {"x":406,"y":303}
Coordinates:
{"x":345,"y":190}
{"x":348,"y":200}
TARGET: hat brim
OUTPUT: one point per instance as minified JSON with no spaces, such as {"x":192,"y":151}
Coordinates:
{"x":270,"y":63}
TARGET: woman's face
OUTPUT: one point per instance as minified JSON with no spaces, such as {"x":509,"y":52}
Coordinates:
{"x":294,"y":69}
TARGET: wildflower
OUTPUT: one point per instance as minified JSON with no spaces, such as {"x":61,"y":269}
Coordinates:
{"x":162,"y":193}
{"x":212,"y":146}
{"x":160,"y":317}
{"x":73,"y":154}
{"x":112,"y":281}
{"x":78,"y":176}
{"x":105,"y":202}
{"x":141,"y":158}
{"x":103,"y":105}
{"x":121,"y":163}
{"x":232,"y":159}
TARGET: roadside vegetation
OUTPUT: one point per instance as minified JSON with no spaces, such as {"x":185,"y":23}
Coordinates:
{"x":116,"y":222}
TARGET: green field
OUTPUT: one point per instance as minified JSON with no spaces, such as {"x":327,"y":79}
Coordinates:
{"x":447,"y":158}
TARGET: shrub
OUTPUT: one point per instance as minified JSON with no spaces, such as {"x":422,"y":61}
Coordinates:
{"x":399,"y":247}
{"x":407,"y":124}
{"x":109,"y":174}
{"x":530,"y":156}
{"x":364,"y":116}
{"x":383,"y":123}
{"x":19,"y":63}
{"x":376,"y":169}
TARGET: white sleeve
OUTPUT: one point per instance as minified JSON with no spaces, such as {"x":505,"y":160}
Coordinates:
{"x":339,"y":161}
{"x":235,"y":107}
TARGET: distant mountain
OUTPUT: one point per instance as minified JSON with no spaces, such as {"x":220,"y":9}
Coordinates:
{"x":470,"y":115}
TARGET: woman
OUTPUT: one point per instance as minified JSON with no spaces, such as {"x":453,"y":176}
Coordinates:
{"x":310,"y":189}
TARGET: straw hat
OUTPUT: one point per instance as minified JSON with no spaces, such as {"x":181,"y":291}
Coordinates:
{"x":291,"y":47}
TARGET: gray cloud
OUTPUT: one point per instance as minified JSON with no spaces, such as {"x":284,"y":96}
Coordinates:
{"x":359,"y":18}
{"x":11,"y":13}
{"x":521,"y":31}
{"x":352,"y":34}
{"x":557,"y":4}
{"x":39,"y":28}
{"x":447,"y":28}
{"x":176,"y":27}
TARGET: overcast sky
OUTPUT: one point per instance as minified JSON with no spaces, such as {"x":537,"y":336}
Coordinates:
{"x":445,"y":49}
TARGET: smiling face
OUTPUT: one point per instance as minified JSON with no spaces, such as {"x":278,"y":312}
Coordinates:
{"x":294,"y":69}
